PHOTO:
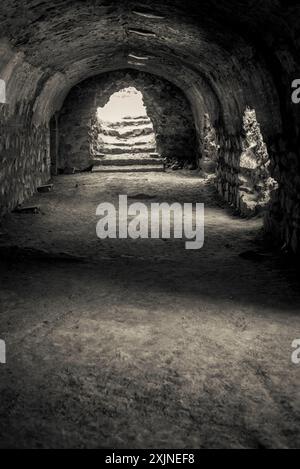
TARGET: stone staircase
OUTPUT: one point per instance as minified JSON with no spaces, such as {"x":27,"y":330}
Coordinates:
{"x":128,"y":146}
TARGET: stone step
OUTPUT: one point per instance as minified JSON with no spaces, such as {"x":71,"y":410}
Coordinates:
{"x":126,"y":141}
{"x":129,"y":145}
{"x":118,"y":150}
{"x":119,"y":160}
{"x":127,"y":122}
{"x":157,"y":168}
{"x":128,"y":131}
{"x":100,"y":156}
{"x":130,"y":118}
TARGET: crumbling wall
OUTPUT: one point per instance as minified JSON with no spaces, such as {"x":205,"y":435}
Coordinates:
{"x":244,"y":175}
{"x":256,"y":183}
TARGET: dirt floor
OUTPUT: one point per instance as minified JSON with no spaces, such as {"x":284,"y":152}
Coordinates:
{"x":142,"y":344}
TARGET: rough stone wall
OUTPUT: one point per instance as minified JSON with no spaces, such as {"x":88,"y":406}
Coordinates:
{"x":209,"y":147}
{"x":282,"y":221}
{"x":24,"y":144}
{"x":24,"y":157}
{"x":227,"y":171}
{"x":244,"y":169}
{"x":166,"y":105}
{"x":256,"y":183}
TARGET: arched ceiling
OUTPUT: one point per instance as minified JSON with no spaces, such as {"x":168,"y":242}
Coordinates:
{"x":224,"y":51}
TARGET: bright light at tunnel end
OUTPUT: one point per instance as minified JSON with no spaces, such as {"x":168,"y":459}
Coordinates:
{"x":126,"y":102}
{"x":138,"y":221}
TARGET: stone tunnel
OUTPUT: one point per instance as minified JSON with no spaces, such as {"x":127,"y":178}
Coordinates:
{"x":220,"y":85}
{"x":220,"y":56}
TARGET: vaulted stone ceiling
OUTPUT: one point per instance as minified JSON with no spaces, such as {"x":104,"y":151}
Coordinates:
{"x":212,"y":48}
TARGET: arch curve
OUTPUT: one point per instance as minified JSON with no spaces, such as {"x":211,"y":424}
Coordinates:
{"x":166,"y":106}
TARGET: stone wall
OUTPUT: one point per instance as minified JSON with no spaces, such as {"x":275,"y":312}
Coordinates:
{"x":24,"y":160}
{"x":209,"y":147}
{"x":166,"y":105}
{"x":283,"y":217}
{"x":244,"y":169}
{"x":279,"y":180}
{"x":227,"y":170}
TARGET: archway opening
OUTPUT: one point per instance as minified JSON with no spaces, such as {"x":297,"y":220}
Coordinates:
{"x":123,"y":126}
{"x":100,"y":115}
{"x":255,"y":181}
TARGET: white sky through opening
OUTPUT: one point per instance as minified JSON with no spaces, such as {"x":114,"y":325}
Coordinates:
{"x":125,"y":103}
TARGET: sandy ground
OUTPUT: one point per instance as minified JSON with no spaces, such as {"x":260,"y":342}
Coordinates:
{"x":132,"y":344}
